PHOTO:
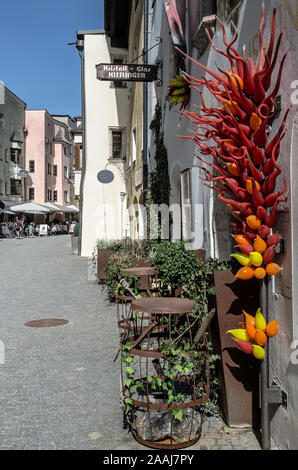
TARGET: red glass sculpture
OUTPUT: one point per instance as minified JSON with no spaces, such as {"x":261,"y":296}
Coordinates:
{"x":243,"y":168}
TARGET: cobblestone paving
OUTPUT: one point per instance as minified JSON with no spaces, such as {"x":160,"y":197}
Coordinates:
{"x":59,"y":386}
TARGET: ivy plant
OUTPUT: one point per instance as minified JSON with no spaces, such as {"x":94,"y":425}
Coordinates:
{"x":159,"y":177}
{"x":114,"y":265}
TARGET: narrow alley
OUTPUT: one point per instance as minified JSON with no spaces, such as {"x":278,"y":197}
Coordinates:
{"x":59,"y":385}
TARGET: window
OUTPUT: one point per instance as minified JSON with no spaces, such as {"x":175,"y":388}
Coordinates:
{"x":51,"y":148}
{"x":15,"y":187}
{"x":65,"y":196}
{"x":186,"y":204}
{"x":207,"y":8}
{"x":1,"y":187}
{"x":31,"y":194}
{"x":228,"y":11}
{"x":55,"y":195}
{"x":31,"y":166}
{"x":49,"y":169}
{"x":6,"y":155}
{"x":65,"y":151}
{"x":134,"y":144}
{"x":7,"y":188}
{"x":49,"y":194}
{"x":206,"y":19}
{"x":116,"y":145}
{"x":55,"y":170}
{"x":15,"y":156}
{"x":65,"y":172}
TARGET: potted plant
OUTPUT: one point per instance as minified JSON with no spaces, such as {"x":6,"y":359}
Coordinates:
{"x":104,"y":250}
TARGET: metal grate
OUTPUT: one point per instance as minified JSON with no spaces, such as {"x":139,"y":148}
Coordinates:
{"x":46,"y":322}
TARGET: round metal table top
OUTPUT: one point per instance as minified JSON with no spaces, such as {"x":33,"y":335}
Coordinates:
{"x":138,"y":271}
{"x":163,"y":305}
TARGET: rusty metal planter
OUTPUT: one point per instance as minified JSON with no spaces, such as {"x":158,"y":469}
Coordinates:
{"x":239,"y":372}
{"x":152,"y":417}
{"x":102,"y":256}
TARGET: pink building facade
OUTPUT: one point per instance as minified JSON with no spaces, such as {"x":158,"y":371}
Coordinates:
{"x":48,"y":149}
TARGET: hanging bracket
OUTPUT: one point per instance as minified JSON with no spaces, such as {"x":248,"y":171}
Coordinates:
{"x":158,"y":65}
{"x":275,"y":395}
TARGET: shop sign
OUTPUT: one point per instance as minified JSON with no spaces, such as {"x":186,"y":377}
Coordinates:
{"x":43,"y":229}
{"x":127,"y":72}
{"x":105,"y":176}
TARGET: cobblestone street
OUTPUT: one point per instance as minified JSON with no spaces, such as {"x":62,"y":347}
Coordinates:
{"x":59,"y":385}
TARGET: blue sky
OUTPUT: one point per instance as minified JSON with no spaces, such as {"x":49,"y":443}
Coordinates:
{"x":35,"y":61}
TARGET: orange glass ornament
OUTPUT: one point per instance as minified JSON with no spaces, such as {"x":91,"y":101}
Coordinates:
{"x":253,"y":222}
{"x":235,"y":79}
{"x":259,"y":244}
{"x":255,"y":121}
{"x":245,"y":273}
{"x":233,"y":169}
{"x":249,"y":186}
{"x":260,"y":273}
{"x":241,"y":239}
{"x":260,"y":337}
{"x":272,"y":328}
{"x":249,"y":319}
{"x":251,"y":331}
{"x":229,"y":106}
{"x":273,"y":269}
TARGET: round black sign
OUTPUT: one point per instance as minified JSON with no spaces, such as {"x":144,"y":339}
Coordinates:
{"x":105,"y":176}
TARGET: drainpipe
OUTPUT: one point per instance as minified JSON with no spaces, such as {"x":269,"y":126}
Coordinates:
{"x":186,"y":34}
{"x":145,"y":100}
{"x":265,"y":422}
{"x":80,"y":48}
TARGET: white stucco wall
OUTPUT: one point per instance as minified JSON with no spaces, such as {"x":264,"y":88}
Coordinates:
{"x":105,"y":107}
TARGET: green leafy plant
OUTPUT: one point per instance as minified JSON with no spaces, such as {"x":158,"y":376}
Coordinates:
{"x":76,"y":230}
{"x":134,"y":285}
{"x":174,"y":264}
{"x":114,"y":265}
{"x":109,"y":244}
{"x":178,"y":361}
{"x":178,"y":267}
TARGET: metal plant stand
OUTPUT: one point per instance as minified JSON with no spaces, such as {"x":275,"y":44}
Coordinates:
{"x":144,"y":276}
{"x":166,"y":381}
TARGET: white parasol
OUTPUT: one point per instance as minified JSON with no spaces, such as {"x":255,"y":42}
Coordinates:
{"x":29,"y":208}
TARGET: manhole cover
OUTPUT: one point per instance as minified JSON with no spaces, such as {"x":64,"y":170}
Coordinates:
{"x":46,"y":322}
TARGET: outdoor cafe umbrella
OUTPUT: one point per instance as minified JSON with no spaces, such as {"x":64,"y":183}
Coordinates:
{"x":73,"y":208}
{"x":57,"y":207}
{"x":29,"y":208}
{"x":6,"y":211}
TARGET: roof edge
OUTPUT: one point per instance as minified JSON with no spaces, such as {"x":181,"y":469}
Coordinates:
{"x":86,"y":32}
